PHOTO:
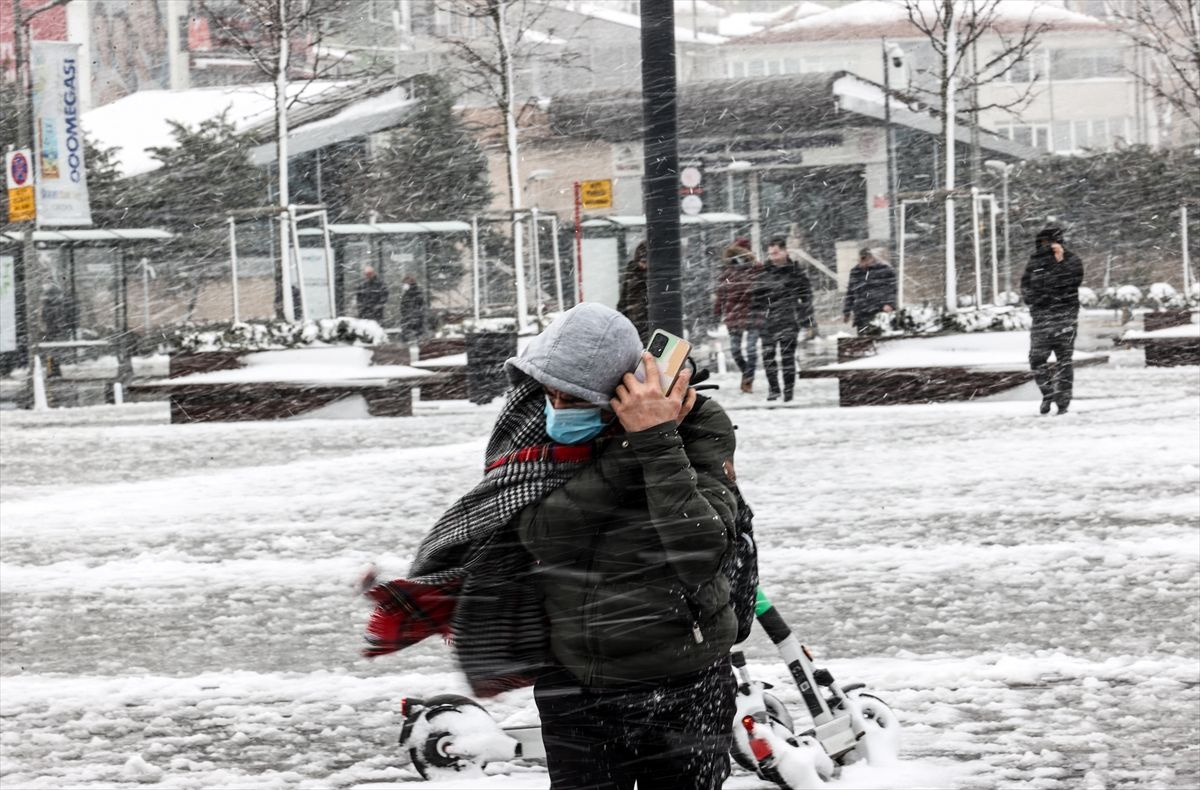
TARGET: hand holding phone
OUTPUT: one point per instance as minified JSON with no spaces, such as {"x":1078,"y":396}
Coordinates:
{"x":640,"y":403}
{"x":670,"y":353}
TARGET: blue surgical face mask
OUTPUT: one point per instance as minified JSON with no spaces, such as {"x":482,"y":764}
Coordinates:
{"x":573,"y":426}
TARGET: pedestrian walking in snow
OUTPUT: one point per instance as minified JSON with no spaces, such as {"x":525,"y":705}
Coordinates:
{"x":871,"y":290}
{"x":735,"y":305}
{"x":633,"y":300}
{"x":371,"y":296}
{"x":785,"y":294}
{"x":413,"y":318}
{"x":1050,"y":286}
{"x":589,"y":561}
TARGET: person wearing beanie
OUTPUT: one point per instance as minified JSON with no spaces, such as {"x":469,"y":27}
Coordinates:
{"x":590,"y":563}
{"x":734,"y":304}
{"x":1050,"y":287}
{"x":870,"y":290}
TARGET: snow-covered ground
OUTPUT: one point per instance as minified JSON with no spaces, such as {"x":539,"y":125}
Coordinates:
{"x":177,"y":607}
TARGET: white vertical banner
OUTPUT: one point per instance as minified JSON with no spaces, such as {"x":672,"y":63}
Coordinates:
{"x":61,"y":175}
{"x":8,"y":305}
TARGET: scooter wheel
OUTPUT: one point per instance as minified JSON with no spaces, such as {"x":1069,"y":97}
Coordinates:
{"x":781,"y":724}
{"x":881,"y":729}
{"x":432,"y":751}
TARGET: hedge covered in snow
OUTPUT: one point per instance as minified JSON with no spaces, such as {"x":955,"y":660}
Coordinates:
{"x":276,"y":335}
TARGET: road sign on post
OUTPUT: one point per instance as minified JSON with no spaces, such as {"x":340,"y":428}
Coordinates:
{"x":596,"y":194}
{"x":19,"y":175}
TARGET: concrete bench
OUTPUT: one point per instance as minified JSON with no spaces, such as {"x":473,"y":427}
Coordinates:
{"x":1170,"y":338}
{"x":231,"y":386}
{"x":936,"y":369}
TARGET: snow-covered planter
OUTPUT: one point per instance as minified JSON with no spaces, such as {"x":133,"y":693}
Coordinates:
{"x":965,"y":301}
{"x":277,"y":335}
{"x":1126,"y":296}
{"x":1008,"y":298}
{"x":918,"y":320}
{"x":988,"y":318}
{"x":926,"y":320}
{"x":1162,"y":296}
{"x":1087,"y":297}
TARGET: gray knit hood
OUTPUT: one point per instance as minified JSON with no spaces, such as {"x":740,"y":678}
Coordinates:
{"x":585,"y":352}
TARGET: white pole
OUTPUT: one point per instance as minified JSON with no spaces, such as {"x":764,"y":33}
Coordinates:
{"x":992,"y":211}
{"x":975,"y":247}
{"x":536,"y":250}
{"x":304,"y":314}
{"x":118,"y":394}
{"x":332,"y":286}
{"x":146,"y":294}
{"x":514,"y":175}
{"x":475,"y":261}
{"x":558,"y":291}
{"x":39,"y":385}
{"x":948,"y":111}
{"x":1007,"y":257}
{"x":281,"y":155}
{"x":1183,"y":235}
{"x":233,"y":270}
{"x":900,"y":257}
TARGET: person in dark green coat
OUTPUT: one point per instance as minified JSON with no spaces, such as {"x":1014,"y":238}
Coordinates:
{"x":628,"y":560}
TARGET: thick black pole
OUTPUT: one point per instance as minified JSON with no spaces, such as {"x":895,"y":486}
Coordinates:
{"x":661,"y":180}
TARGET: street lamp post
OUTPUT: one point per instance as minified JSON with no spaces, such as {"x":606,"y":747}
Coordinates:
{"x":1004,"y":169}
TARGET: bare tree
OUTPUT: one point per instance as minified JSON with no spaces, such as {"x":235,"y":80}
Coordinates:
{"x":1168,"y":33}
{"x":283,"y":40}
{"x":494,"y":38}
{"x":953,"y":27}
{"x":977,"y":23}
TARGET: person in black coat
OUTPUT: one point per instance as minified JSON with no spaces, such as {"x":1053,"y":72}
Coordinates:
{"x":372,"y":295}
{"x":1050,"y":286}
{"x":871,"y":290}
{"x":633,"y":300}
{"x":785,"y":300}
{"x":413,"y":311}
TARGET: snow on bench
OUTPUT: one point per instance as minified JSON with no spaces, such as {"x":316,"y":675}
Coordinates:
{"x":270,"y":385}
{"x":879,"y":371}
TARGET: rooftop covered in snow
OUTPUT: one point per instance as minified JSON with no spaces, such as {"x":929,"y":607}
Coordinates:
{"x":878,"y":18}
{"x":765,"y":111}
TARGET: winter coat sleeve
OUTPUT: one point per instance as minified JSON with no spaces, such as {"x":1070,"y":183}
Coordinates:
{"x":888,"y":286}
{"x":1076,"y":272}
{"x":1027,"y":294}
{"x":805,"y":296}
{"x":851,"y":288}
{"x":693,"y":514}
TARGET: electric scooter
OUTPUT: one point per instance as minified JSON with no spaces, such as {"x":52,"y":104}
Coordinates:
{"x":449,"y":734}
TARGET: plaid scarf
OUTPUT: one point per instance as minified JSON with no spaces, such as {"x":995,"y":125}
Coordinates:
{"x":473,"y":554}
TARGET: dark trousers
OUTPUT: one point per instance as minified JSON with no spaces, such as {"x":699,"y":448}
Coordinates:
{"x":1053,"y":337}
{"x":671,"y":735}
{"x":786,"y":346}
{"x":746,"y":363}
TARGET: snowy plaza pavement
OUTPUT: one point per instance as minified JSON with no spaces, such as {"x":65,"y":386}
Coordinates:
{"x":177,"y":603}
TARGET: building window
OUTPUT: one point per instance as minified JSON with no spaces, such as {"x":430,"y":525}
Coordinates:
{"x":756,"y":68}
{"x":737,"y":69}
{"x":1085,"y":64}
{"x":1070,"y":137}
